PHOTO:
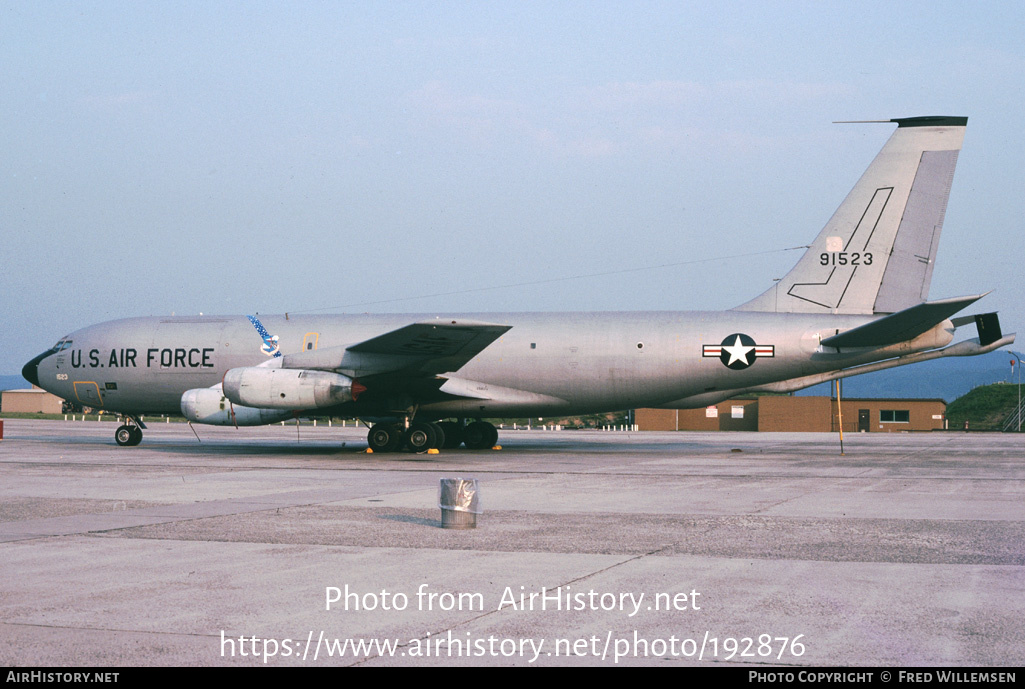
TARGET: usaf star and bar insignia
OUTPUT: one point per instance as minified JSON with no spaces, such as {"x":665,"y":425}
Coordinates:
{"x":738,"y":351}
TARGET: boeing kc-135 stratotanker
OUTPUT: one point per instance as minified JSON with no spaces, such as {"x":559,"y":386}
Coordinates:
{"x":855,"y":302}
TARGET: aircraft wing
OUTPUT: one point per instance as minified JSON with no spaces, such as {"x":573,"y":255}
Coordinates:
{"x":418,"y":349}
{"x":434,"y":339}
{"x":902,"y":325}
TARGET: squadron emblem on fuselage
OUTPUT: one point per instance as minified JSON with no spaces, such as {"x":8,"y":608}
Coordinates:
{"x":270,"y":342}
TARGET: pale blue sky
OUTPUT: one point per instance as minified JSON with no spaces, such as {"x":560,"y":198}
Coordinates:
{"x":238,"y":157}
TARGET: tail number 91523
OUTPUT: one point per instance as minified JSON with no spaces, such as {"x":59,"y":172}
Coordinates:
{"x":845,"y":258}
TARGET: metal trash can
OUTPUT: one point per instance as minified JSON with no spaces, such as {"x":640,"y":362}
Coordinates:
{"x":459,"y":500}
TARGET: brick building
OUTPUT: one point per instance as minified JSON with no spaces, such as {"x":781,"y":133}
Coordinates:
{"x":815,"y":414}
{"x":34,"y":401}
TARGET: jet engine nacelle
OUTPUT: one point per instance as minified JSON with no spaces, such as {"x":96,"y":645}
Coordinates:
{"x":285,"y":388}
{"x":210,"y":406}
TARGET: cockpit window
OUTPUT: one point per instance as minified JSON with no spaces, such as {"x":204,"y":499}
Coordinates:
{"x":62,"y":345}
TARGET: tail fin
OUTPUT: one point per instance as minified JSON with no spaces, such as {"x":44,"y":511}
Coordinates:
{"x":876,"y":254}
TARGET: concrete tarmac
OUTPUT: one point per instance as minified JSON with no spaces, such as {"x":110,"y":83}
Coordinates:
{"x":256,"y":547}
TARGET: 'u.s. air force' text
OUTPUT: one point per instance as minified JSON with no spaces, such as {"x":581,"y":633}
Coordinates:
{"x":127,"y":357}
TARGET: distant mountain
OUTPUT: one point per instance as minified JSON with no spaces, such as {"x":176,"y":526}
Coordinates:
{"x":14,"y":383}
{"x":945,"y":379}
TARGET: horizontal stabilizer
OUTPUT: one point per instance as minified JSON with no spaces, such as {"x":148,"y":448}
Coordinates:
{"x":967,"y":348}
{"x":903,"y":325}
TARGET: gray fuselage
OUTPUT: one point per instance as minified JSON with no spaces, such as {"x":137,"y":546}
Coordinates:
{"x":567,"y":363}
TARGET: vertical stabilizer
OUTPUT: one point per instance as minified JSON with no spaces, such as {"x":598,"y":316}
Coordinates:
{"x":876,"y":254}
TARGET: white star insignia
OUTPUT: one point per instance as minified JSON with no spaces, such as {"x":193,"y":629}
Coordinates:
{"x":738,"y":351}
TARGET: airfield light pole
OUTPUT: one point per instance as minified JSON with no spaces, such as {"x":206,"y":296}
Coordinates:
{"x":839,"y":411}
{"x":1018,"y":358}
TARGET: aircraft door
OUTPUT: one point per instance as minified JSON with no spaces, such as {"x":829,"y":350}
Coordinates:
{"x":310,"y":341}
{"x":88,"y":394}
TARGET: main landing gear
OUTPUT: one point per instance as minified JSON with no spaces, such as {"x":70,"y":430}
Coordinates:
{"x":129,"y":434}
{"x":422,"y":436}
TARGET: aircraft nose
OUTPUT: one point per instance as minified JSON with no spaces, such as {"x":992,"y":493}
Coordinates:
{"x":31,"y":370}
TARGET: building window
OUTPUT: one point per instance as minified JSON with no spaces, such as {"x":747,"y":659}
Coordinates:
{"x":894,"y":416}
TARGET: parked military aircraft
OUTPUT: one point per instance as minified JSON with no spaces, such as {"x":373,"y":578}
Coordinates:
{"x":855,"y":302}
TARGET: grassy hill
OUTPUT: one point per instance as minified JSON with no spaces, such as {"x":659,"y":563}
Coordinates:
{"x":985,"y":408}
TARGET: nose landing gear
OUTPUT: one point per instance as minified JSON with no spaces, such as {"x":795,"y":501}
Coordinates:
{"x":129,"y":434}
